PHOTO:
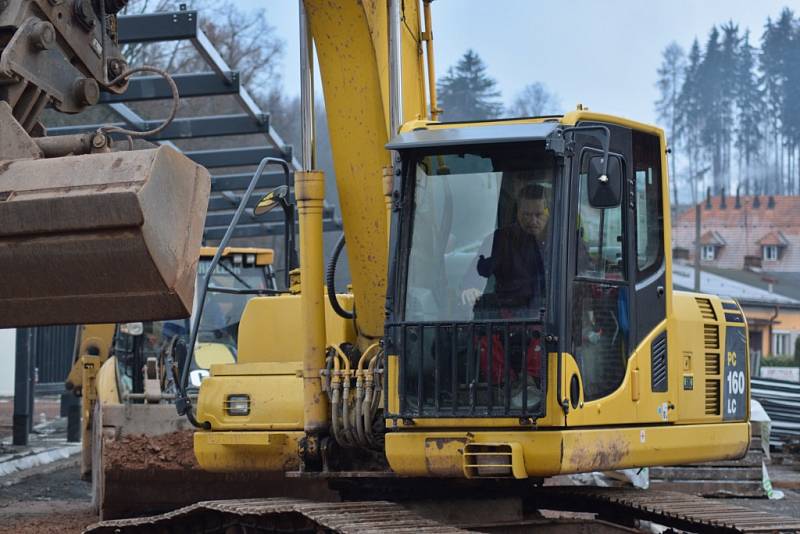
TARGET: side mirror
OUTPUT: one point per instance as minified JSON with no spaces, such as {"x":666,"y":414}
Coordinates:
{"x":274,"y":198}
{"x":132,"y":329}
{"x":604,"y":188}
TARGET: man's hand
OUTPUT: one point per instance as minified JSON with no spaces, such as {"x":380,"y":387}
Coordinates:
{"x":469,"y":296}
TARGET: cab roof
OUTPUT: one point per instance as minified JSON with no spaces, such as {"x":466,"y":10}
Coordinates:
{"x":263,"y":255}
{"x":472,"y":135}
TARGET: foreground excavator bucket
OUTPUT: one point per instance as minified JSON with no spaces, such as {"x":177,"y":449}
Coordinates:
{"x":109,"y":237}
{"x":142,"y":460}
{"x":144,"y":463}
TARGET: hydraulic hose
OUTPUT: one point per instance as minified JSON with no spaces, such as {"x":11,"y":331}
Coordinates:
{"x":330,"y":282}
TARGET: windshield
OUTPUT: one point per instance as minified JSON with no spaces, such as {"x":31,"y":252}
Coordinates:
{"x":480,"y":240}
{"x":222,"y":312}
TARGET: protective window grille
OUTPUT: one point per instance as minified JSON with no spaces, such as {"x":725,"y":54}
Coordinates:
{"x":481,"y":369}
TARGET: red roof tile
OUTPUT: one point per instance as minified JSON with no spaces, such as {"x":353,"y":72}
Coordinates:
{"x":712,"y":238}
{"x":773,"y":238}
{"x":785,"y":215}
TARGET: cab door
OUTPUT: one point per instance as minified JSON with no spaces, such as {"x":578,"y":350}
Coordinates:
{"x":599,"y":290}
{"x":617,"y":369}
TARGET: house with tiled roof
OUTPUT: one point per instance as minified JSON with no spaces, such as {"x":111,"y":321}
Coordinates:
{"x":736,"y":232}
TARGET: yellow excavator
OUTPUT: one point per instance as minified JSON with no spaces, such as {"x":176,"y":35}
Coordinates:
{"x":127,"y":375}
{"x":511,"y":318}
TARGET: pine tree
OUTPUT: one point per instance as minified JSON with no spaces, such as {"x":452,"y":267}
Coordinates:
{"x":467,"y":92}
{"x":670,"y":79}
{"x":712,"y":101}
{"x":774,"y":46}
{"x":690,"y":118}
{"x":790,"y":115}
{"x":750,"y":107}
{"x":728,"y":69}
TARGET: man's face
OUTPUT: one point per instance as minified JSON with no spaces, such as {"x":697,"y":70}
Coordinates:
{"x":532,"y":216}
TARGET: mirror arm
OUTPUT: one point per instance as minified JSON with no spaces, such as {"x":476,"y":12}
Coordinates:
{"x":605,"y":140}
{"x":183,"y":403}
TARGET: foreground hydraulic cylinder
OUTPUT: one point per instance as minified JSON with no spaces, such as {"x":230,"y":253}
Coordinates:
{"x":108,"y":237}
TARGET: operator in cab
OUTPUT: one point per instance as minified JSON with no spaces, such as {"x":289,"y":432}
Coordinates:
{"x":516,"y":262}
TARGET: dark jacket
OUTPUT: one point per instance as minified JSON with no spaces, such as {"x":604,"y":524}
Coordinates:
{"x":517,"y":266}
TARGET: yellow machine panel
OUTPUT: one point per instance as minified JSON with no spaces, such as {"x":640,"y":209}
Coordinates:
{"x":269,"y":324}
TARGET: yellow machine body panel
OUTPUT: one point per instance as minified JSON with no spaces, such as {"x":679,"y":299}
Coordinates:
{"x":247,"y":451}
{"x":274,"y":391}
{"x":208,"y":354}
{"x":545,"y":453}
{"x":269,"y":327}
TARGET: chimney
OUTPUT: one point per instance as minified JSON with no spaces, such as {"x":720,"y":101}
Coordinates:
{"x":722,"y":204}
{"x":708,"y":198}
{"x":756,"y":202}
{"x":771,"y":202}
{"x":770,"y":283}
{"x":738,"y":205}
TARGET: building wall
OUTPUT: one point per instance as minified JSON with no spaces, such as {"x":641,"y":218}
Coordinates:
{"x":8,"y":344}
{"x":787,"y":322}
{"x":742,"y":229}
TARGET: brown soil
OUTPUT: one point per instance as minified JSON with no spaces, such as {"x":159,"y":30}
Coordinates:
{"x":168,"y":451}
{"x":55,"y":520}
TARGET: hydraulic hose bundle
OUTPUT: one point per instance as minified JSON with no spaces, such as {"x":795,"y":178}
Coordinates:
{"x":353,"y":409}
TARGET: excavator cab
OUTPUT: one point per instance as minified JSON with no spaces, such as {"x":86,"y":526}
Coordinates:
{"x":479,"y":277}
{"x":530,"y":290}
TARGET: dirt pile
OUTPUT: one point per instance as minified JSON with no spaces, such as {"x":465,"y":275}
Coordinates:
{"x":165,"y":452}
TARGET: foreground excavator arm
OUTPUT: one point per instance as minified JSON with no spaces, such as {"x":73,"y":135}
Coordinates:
{"x":88,"y":235}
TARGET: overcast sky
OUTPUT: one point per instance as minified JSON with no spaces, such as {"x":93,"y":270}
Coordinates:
{"x":600,"y":53}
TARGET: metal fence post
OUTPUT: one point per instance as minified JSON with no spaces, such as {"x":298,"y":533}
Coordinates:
{"x":23,"y":387}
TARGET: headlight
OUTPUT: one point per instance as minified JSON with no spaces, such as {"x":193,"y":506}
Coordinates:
{"x":237,"y":405}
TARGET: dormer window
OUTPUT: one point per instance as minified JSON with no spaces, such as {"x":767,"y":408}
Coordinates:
{"x":711,"y":244}
{"x":770,"y":252}
{"x":773,"y":245}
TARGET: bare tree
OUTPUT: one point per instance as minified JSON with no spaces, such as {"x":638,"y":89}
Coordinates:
{"x":670,"y":79}
{"x":245,"y":40}
{"x":535,"y":100}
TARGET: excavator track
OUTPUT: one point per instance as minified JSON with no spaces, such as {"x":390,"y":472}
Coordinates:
{"x":619,"y":506}
{"x":672,"y":509}
{"x":281,"y":515}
